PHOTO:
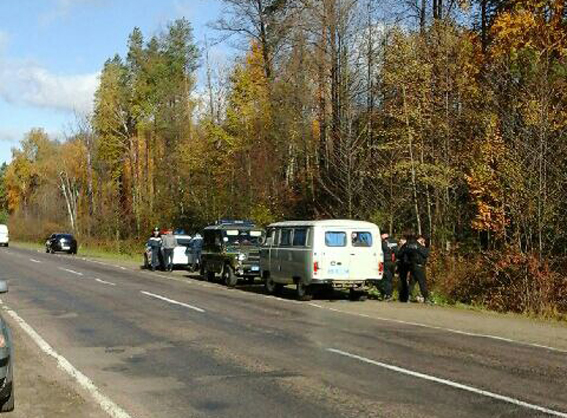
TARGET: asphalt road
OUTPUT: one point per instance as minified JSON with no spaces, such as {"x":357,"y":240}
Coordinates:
{"x":142,"y":344}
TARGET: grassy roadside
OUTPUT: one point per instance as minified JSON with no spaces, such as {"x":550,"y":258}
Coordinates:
{"x":87,"y":251}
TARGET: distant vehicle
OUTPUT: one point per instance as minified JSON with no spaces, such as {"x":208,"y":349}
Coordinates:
{"x":231,"y":249}
{"x":328,"y":254}
{"x":4,"y":236}
{"x":61,"y":243}
{"x":6,"y":362}
{"x":182,"y":255}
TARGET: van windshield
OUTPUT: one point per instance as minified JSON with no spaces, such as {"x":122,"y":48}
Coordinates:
{"x":243,"y":237}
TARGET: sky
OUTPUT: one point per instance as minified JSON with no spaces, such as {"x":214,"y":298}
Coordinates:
{"x":52,"y":51}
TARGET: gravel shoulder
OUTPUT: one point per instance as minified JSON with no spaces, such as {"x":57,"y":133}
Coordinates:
{"x":42,"y":390}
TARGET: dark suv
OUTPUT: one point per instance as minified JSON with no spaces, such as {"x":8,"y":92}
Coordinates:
{"x":61,"y":242}
{"x":231,"y":249}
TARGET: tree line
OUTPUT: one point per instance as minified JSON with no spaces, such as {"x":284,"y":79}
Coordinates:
{"x":444,"y":117}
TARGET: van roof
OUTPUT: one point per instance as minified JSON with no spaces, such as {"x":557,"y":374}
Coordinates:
{"x":225,"y":226}
{"x":333,"y":223}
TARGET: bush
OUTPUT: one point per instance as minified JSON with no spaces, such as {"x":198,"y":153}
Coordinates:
{"x":504,"y":282}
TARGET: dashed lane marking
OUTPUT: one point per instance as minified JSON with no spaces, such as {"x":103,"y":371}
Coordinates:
{"x":105,"y":282}
{"x":452,"y":384}
{"x":71,"y":271}
{"x":398,"y":321}
{"x":104,"y":402}
{"x":173,"y":302}
{"x":34,"y":261}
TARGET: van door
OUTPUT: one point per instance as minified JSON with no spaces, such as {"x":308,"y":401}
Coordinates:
{"x":266,"y":250}
{"x":365,"y":246}
{"x":335,"y":263}
{"x":285,"y":270}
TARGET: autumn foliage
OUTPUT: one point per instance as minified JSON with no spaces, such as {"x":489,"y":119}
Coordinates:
{"x":452,"y":124}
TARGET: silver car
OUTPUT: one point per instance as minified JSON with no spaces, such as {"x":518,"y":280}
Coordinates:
{"x":6,"y":362}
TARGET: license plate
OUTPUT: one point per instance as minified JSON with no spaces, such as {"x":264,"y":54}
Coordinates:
{"x":255,"y":268}
{"x":65,"y":247}
{"x":338,"y":271}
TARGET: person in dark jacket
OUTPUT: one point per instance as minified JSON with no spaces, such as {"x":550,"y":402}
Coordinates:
{"x":390,"y":251}
{"x":155,"y":245}
{"x":417,"y":254}
{"x":403,"y":270}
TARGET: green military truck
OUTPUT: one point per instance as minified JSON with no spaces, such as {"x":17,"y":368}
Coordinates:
{"x":231,"y":249}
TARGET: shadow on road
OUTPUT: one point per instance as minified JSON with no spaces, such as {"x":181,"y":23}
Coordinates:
{"x":288,"y":292}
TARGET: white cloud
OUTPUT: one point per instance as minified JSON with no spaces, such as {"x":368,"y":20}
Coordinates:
{"x":30,"y":84}
{"x":9,"y":136}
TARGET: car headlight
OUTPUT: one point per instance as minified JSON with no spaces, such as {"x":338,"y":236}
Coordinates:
{"x":241,"y":257}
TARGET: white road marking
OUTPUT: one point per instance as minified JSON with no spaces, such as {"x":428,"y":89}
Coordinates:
{"x":452,"y":330}
{"x":450,"y":383}
{"x":71,"y":271}
{"x":105,"y":282}
{"x":174,"y":302}
{"x":105,"y":403}
{"x":34,"y":261}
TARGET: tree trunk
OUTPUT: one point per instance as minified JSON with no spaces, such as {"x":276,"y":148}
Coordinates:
{"x":412,"y":161}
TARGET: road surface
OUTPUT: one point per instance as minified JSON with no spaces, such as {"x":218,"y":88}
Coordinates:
{"x":123,"y":342}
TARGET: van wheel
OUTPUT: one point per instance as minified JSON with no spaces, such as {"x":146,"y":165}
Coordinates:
{"x":272,"y":287}
{"x":228,"y":277}
{"x":304,"y":292}
{"x":355,"y":295}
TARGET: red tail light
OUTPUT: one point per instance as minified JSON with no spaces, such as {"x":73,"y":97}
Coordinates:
{"x":315,"y":267}
{"x":380,"y":267}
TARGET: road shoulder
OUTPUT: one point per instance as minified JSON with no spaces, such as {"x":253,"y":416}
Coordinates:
{"x":42,"y":389}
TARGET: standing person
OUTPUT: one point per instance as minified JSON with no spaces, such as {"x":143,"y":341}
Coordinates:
{"x":390,"y":251}
{"x":403,"y":270}
{"x":155,"y":245}
{"x":169,"y":242}
{"x":417,"y":255}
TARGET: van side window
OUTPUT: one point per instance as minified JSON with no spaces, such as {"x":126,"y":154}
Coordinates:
{"x":335,"y":239}
{"x":299,"y":237}
{"x":361,"y":239}
{"x":285,"y":237}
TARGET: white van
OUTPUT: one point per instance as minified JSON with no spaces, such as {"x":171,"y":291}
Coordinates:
{"x":4,"y":237}
{"x":332,"y":253}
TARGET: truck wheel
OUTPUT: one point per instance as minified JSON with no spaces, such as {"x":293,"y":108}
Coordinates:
{"x":272,"y":287}
{"x":209,"y":275}
{"x":229,"y":278}
{"x":304,"y":292}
